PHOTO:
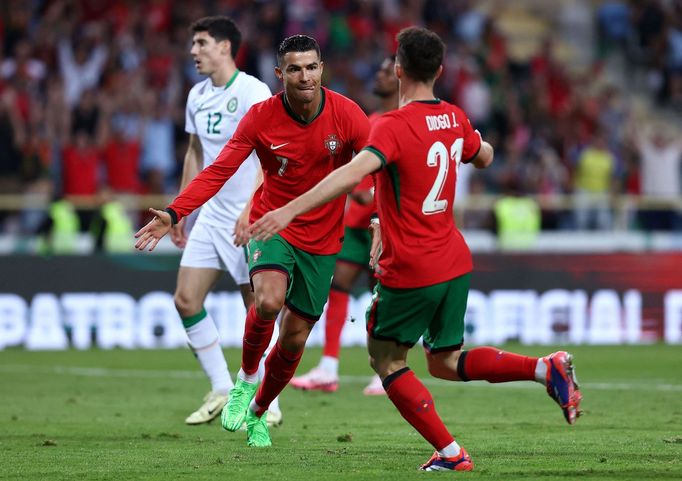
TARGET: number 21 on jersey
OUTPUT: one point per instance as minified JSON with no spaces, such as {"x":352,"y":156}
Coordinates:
{"x":438,"y":156}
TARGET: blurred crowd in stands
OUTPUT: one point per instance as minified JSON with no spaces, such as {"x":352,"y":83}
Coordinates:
{"x":577,"y":96}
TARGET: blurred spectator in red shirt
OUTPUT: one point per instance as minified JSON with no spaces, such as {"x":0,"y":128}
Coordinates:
{"x":159,"y":66}
{"x":121,"y":142}
{"x":81,"y":164}
{"x":121,"y":159}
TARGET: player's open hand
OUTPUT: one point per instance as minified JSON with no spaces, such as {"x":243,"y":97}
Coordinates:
{"x":178,"y":234}
{"x":376,"y":247}
{"x":270,"y":224}
{"x":241,"y":229}
{"x":151,"y":234}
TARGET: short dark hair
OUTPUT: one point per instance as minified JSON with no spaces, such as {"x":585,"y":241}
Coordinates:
{"x":420,"y":53}
{"x":297,"y":43}
{"x":221,"y":28}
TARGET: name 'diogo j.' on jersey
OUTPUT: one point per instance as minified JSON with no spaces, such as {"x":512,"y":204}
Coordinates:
{"x":421,"y":146}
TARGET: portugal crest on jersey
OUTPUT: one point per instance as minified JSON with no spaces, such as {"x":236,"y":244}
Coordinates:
{"x":332,"y":143}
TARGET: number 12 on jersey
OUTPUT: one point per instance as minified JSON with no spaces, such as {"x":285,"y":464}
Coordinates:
{"x":217,"y":117}
{"x":438,"y":157}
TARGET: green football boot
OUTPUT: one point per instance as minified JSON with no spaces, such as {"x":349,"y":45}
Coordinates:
{"x":257,"y":432}
{"x":234,"y":412}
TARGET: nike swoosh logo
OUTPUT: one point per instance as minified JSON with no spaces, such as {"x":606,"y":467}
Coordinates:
{"x":275,"y":147}
{"x":211,"y":411}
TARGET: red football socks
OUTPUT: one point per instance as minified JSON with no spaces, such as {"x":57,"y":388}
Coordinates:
{"x":337,"y":311}
{"x":415,"y":404}
{"x":280,"y":367}
{"x":492,"y":365}
{"x":257,"y":335}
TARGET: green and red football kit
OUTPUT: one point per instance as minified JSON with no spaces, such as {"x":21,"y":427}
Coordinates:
{"x":295,"y":155}
{"x":421,"y":146}
{"x":424,"y":274}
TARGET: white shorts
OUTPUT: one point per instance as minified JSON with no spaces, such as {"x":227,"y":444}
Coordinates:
{"x":213,"y":248}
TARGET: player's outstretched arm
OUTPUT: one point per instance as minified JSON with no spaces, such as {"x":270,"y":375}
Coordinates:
{"x":151,"y":234}
{"x":484,"y":157}
{"x":338,"y":182}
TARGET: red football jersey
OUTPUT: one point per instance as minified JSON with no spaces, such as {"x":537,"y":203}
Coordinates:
{"x":80,"y":170}
{"x":421,"y":146}
{"x":295,"y":156}
{"x":122,"y":159}
{"x":358,"y":215}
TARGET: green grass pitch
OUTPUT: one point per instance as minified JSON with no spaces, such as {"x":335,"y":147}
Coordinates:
{"x":118,"y":415}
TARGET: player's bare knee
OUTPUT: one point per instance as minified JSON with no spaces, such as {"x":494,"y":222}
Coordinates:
{"x":185,"y":304}
{"x":268,"y":306}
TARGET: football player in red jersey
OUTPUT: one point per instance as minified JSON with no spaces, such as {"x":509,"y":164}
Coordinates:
{"x":425,"y":264}
{"x":300,"y":136}
{"x":353,"y":258}
{"x":214,"y":107}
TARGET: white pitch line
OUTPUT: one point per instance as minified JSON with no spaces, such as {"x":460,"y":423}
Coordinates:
{"x":100,"y":372}
{"x":179,"y":374}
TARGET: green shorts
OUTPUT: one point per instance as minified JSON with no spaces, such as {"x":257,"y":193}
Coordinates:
{"x":309,"y":275}
{"x":435,"y":312}
{"x":356,"y":245}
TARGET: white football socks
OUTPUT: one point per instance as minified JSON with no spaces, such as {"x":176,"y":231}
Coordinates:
{"x":254,"y":407}
{"x":450,"y":451}
{"x":204,"y":341}
{"x":250,"y":378}
{"x":541,"y":371}
{"x":329,"y":364}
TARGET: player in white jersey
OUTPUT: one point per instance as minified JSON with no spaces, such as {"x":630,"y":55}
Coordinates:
{"x":214,"y":108}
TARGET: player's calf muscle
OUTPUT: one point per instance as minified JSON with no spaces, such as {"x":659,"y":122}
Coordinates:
{"x":443,"y":365}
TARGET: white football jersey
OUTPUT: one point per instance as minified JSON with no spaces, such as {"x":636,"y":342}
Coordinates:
{"x":212,"y":114}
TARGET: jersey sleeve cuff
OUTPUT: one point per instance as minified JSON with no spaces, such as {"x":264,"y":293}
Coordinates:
{"x":466,"y":161}
{"x":378,"y":153}
{"x":173,"y":215}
